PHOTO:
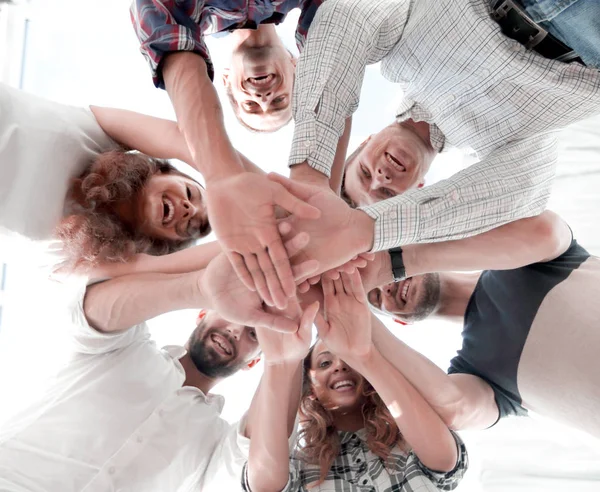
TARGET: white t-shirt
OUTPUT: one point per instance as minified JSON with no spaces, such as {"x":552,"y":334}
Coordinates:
{"x":116,"y":417}
{"x":43,"y":144}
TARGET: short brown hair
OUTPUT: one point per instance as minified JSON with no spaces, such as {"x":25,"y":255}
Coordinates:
{"x":351,"y":158}
{"x":93,"y":232}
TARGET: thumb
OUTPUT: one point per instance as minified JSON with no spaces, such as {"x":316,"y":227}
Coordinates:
{"x":296,"y":188}
{"x":275,"y":322}
{"x":307,"y":320}
{"x":322,"y":325}
{"x":295,"y":205}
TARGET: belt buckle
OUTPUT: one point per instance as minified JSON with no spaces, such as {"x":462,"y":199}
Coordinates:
{"x":501,"y":9}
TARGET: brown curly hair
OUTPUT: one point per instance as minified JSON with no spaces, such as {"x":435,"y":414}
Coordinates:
{"x":93,"y":232}
{"x":319,"y":440}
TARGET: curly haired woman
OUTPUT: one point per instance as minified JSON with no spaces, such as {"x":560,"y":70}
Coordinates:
{"x":64,"y":174}
{"x":364,"y":427}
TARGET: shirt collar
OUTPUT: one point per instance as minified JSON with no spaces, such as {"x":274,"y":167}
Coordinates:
{"x":408,"y":109}
{"x":176,"y":352}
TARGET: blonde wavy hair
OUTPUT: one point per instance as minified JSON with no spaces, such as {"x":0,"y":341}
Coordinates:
{"x":319,"y":439}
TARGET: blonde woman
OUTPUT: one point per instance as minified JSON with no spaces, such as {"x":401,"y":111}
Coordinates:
{"x":364,"y":427}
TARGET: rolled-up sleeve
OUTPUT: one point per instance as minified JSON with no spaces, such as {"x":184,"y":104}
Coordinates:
{"x":511,"y":183}
{"x":167,"y":26}
{"x":442,"y":480}
{"x":344,"y":37}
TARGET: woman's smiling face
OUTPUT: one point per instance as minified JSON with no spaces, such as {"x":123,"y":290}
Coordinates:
{"x":171,"y":206}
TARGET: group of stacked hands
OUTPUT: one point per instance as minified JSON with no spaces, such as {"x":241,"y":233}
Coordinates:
{"x":338,"y":239}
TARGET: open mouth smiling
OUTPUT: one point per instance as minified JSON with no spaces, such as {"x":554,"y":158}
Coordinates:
{"x":395,"y":163}
{"x":261,"y":80}
{"x":168,"y":211}
{"x":403,"y":292}
{"x":221,"y":344}
{"x":343,"y":385}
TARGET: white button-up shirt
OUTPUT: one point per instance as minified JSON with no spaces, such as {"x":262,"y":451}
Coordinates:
{"x":117,"y":418}
{"x":477,"y":89}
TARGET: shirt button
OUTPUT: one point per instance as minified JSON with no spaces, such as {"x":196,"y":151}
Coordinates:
{"x":365,"y":481}
{"x":307,"y":144}
{"x":161,"y":413}
{"x":451,"y":98}
{"x":140,"y":439}
{"x":454,"y":195}
{"x":111,"y":470}
{"x":485,"y":72}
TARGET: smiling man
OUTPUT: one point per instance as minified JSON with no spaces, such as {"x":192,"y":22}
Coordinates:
{"x":123,"y":414}
{"x":529,"y":320}
{"x":388,"y":163}
{"x":260,"y":74}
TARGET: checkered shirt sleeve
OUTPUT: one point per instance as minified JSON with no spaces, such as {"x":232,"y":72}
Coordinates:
{"x":165,"y":26}
{"x":344,"y":37}
{"x":513,"y":182}
{"x":356,"y":468}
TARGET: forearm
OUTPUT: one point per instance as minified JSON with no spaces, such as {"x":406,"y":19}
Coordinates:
{"x":434,"y":385}
{"x":345,"y":37}
{"x":200,"y":116}
{"x":421,"y":427}
{"x":512,"y":245}
{"x":184,"y":261}
{"x":121,"y":303}
{"x":512,"y":183}
{"x":156,"y":137}
{"x":339,"y":161}
{"x":278,"y":398}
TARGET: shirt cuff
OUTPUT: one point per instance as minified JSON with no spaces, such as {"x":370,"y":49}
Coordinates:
{"x":314,"y":143}
{"x":387,"y":232}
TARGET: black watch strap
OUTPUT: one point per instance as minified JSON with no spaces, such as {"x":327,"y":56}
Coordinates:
{"x":398,"y":269}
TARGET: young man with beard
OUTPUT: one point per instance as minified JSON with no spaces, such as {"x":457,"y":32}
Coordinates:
{"x":530,"y":336}
{"x":125,"y":415}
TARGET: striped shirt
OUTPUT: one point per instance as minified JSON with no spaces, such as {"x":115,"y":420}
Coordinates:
{"x":357,"y":469}
{"x":165,"y":26}
{"x":477,"y":89}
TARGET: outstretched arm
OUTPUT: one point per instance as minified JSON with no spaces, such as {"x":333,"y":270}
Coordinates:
{"x":345,"y":37}
{"x":118,"y":304}
{"x":347,"y":332}
{"x":463,"y":401}
{"x":157,"y":137}
{"x":513,"y":245}
{"x":275,"y":405}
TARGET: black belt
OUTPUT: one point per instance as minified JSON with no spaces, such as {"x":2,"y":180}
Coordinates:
{"x":516,"y":25}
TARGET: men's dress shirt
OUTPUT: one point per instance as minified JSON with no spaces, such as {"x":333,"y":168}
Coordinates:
{"x":117,"y":417}
{"x":476,"y":88}
{"x":358,"y":469}
{"x":165,"y":26}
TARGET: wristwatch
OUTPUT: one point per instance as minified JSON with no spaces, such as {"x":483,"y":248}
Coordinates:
{"x":398,"y":270}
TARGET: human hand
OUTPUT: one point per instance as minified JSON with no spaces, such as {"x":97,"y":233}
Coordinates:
{"x":280,"y":347}
{"x":359,"y":261}
{"x":225,"y":293}
{"x":340,"y":234}
{"x":241,"y":212}
{"x":346,"y":325}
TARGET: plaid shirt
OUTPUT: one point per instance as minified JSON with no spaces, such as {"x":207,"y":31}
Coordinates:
{"x":165,"y":26}
{"x":357,"y":469}
{"x":477,"y":90}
